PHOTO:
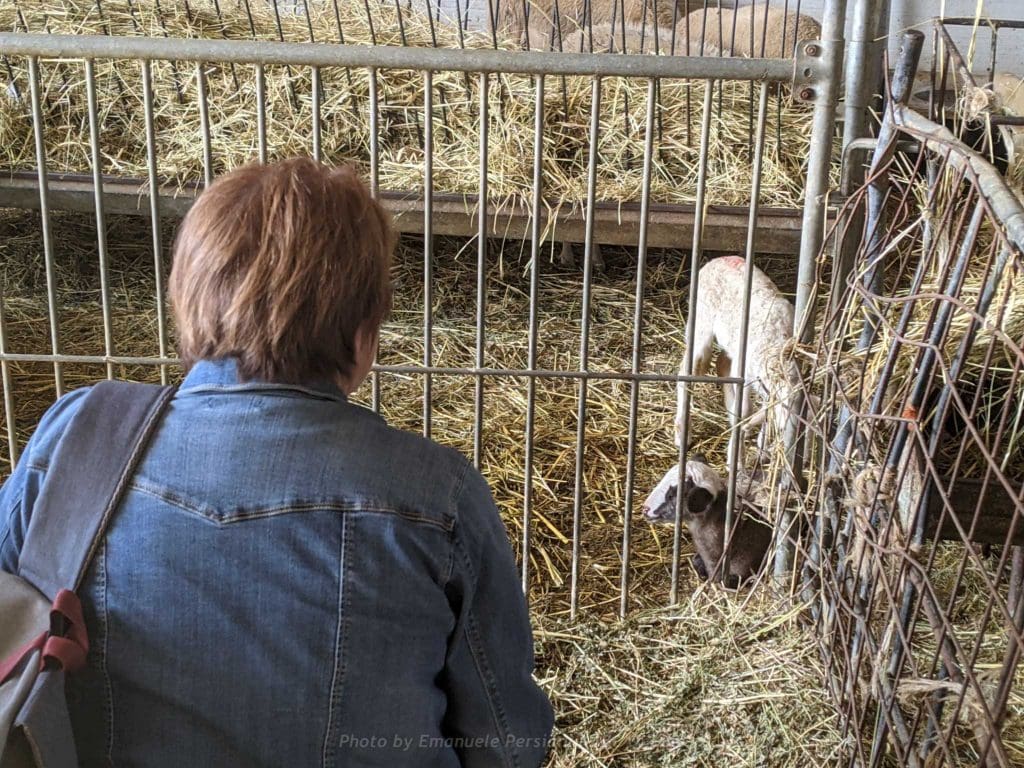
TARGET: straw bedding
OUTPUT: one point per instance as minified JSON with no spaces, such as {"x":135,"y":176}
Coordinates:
{"x":345,"y":111}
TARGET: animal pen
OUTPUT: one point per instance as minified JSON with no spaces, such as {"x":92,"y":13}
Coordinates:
{"x":559,"y":381}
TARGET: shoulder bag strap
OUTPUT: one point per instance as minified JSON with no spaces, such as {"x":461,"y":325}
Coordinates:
{"x":87,"y":477}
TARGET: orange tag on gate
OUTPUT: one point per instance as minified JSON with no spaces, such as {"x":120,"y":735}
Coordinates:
{"x":910,"y":414}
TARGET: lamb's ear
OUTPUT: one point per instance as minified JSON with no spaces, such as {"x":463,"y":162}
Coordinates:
{"x":699,"y":501}
{"x":692,"y":455}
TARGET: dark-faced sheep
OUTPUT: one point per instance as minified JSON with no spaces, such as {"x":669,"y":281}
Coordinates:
{"x":703,"y":511}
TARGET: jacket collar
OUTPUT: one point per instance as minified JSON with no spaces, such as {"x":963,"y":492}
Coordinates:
{"x":222,"y":375}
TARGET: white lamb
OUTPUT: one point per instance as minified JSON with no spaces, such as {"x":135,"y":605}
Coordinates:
{"x":550,"y":26}
{"x":759,"y":31}
{"x":718,"y":321}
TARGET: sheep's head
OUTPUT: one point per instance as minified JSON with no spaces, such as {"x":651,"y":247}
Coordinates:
{"x":701,"y":487}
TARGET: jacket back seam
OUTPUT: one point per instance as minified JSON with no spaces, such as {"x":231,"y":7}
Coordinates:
{"x":207,"y":513}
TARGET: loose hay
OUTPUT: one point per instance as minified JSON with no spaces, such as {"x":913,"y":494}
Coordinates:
{"x":713,"y":680}
{"x":346,"y":107}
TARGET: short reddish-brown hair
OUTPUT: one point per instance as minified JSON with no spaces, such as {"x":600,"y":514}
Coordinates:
{"x":278,"y":266}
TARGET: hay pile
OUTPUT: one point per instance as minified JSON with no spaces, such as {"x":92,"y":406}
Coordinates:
{"x":715,"y":680}
{"x":456,"y":118}
{"x":720,"y":675}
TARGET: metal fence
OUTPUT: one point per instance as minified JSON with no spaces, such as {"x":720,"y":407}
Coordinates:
{"x":914,"y":573}
{"x":973,"y":92}
{"x":688,"y":27}
{"x":121,"y":85}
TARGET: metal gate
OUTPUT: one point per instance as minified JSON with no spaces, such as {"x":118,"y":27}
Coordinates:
{"x":593,"y":421}
{"x":914,"y":573}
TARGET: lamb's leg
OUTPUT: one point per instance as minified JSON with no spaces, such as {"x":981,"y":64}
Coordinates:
{"x":724,"y":369}
{"x":701,"y":358}
{"x":699,"y":567}
{"x":567,"y":259}
{"x":732,"y":392}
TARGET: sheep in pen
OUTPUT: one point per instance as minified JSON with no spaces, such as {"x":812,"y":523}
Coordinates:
{"x":561,"y":386}
{"x":470,"y":140}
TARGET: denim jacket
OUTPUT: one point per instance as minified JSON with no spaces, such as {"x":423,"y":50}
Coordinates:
{"x":289,"y":581}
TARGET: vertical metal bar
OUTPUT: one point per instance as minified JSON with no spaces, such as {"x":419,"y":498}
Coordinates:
{"x":101,"y":221}
{"x":309,"y":19}
{"x":8,"y":385}
{"x":638,"y":336}
{"x":204,"y":119}
{"x":401,"y":23}
{"x":317,"y":96}
{"x":531,"y":360}
{"x":261,"y":112}
{"x":581,"y":413}
{"x":819,"y":161}
{"x":741,"y":358}
{"x":428,"y":243}
{"x":682,"y":388}
{"x":863,"y":68}
{"x":792,"y":50}
{"x":1016,"y":574}
{"x":248,"y":14}
{"x":341,"y":41}
{"x":690,"y":85}
{"x":923,"y":377}
{"x":556,"y":45}
{"x":481,"y":275}
{"x":44,"y":213}
{"x":430,"y":6}
{"x":375,"y":191}
{"x":992,"y":54}
{"x":154,"y":214}
{"x":369,"y":22}
{"x":374,"y":135}
{"x":863,"y":76}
